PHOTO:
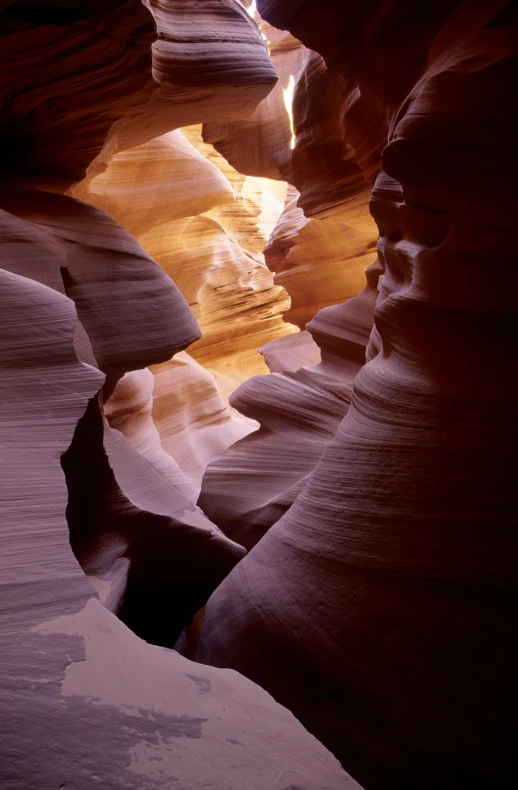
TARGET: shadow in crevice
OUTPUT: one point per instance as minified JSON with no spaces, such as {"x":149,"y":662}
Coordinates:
{"x":154,"y":571}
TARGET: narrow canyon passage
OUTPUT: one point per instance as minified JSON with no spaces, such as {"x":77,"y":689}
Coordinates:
{"x":257,"y":394}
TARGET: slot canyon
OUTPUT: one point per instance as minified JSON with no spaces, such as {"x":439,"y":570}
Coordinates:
{"x":258,"y":394}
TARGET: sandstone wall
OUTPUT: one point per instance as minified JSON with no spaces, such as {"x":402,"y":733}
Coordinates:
{"x":379,"y":608}
{"x":94,"y":524}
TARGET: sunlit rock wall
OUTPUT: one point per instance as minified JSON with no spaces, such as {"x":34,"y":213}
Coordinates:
{"x":324,"y":139}
{"x":207,"y":213}
{"x":206,"y":225}
{"x":251,"y":485}
{"x":320,"y":253}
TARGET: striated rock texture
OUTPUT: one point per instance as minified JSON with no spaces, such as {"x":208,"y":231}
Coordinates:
{"x":82,"y":253}
{"x":129,"y":410}
{"x":84,"y":700}
{"x":320,"y":259}
{"x":291,"y":352}
{"x":250,"y":486}
{"x":146,"y":73}
{"x":206,"y":225}
{"x":84,"y":310}
{"x":151,"y":184}
{"x":194,"y":423}
{"x":325,"y":236}
{"x":261,"y":145}
{"x":174,"y":416}
{"x":380,"y":607}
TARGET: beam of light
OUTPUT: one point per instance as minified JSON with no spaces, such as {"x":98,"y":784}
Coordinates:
{"x":251,"y":10}
{"x":288,"y":103}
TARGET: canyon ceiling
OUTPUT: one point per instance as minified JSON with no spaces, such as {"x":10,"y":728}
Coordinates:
{"x":258,"y":394}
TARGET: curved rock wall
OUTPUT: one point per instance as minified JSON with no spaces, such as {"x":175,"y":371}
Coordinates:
{"x":206,"y":225}
{"x":379,"y":608}
{"x":84,"y":700}
{"x":326,"y":237}
{"x":331,"y":162}
{"x":262,"y":144}
{"x":251,"y":485}
{"x":378,"y":604}
{"x":321,"y":260}
{"x":59,"y":110}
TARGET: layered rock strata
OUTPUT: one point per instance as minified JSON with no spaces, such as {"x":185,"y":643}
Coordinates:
{"x":321,"y":260}
{"x":75,"y":677}
{"x":206,"y":225}
{"x":379,"y":608}
{"x":82,"y":253}
{"x":291,"y":352}
{"x":261,"y":145}
{"x":179,"y":64}
{"x":194,"y":422}
{"x":330,"y":163}
{"x":250,"y":486}
{"x":83,"y":305}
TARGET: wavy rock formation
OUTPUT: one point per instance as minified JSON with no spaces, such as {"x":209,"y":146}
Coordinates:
{"x":331,"y":157}
{"x":83,"y":253}
{"x":326,"y":238}
{"x":77,"y":678}
{"x":84,"y":700}
{"x":151,"y":184}
{"x":129,"y":410}
{"x":379,"y":608}
{"x":250,"y":486}
{"x":75,"y":675}
{"x":206,"y":225}
{"x":291,"y":352}
{"x":231,"y":293}
{"x":208,"y":62}
{"x":320,"y":261}
{"x":261,"y":145}
{"x":173,"y":415}
{"x":194,"y":423}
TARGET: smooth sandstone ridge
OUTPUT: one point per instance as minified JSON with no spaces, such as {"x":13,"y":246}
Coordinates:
{"x":103,"y":547}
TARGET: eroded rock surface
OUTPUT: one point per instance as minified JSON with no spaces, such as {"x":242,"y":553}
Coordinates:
{"x":85,"y":701}
{"x":379,"y":607}
{"x":206,"y":224}
{"x":251,"y":485}
{"x":379,"y":604}
{"x":120,"y":711}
